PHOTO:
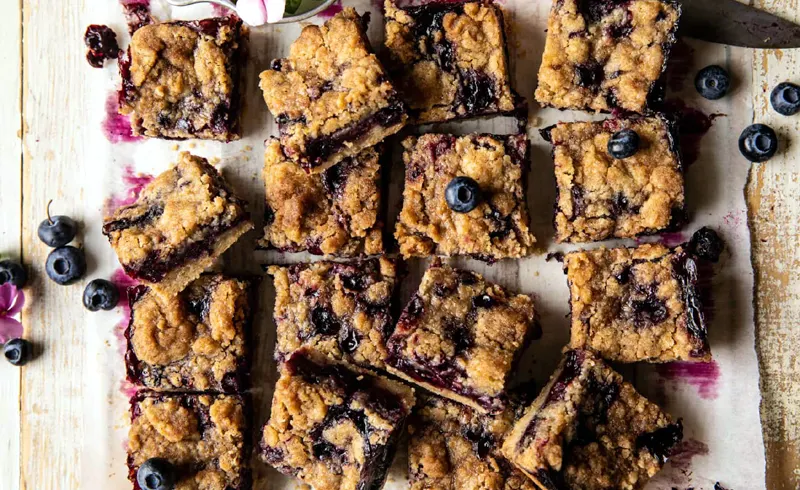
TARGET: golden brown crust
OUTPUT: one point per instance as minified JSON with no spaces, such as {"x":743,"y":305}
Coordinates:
{"x":590,"y":430}
{"x":185,"y":217}
{"x":183,"y":80}
{"x":330,"y":83}
{"x":497,"y":228}
{"x":605,"y":57}
{"x":601,"y":197}
{"x":463,"y":325}
{"x":341,"y":310}
{"x":194,"y":341}
{"x":629,"y":304}
{"x":436,"y":87}
{"x":333,"y":428}
{"x":202,"y":435}
{"x":452,"y":447}
{"x":333,"y":213}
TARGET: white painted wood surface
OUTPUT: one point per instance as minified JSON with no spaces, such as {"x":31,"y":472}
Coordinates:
{"x":42,"y":89}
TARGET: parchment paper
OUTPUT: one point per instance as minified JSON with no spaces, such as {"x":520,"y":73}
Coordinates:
{"x":719,"y":404}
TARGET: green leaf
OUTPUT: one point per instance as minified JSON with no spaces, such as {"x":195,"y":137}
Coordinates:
{"x":292,"y":6}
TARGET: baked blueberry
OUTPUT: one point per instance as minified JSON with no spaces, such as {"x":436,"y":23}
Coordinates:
{"x":156,"y":474}
{"x":706,"y":244}
{"x":623,"y":144}
{"x":758,"y":143}
{"x":57,"y":231}
{"x":13,"y":272}
{"x":100,"y":294}
{"x":463,"y":194}
{"x":785,"y":98}
{"x":18,"y":351}
{"x":712,"y":82}
{"x":102,"y":44}
{"x":65,"y":265}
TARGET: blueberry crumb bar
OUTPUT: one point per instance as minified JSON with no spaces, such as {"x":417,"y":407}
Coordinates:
{"x":590,"y":430}
{"x":180,"y":223}
{"x":334,"y":428}
{"x":182,"y":79}
{"x":460,"y":337}
{"x":331,"y":97}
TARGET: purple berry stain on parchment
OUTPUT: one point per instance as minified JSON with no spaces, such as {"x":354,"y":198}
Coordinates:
{"x":134,"y":184}
{"x":137,"y":13}
{"x":116,"y":126}
{"x":334,"y":9}
{"x":704,"y":376}
{"x":693,"y":124}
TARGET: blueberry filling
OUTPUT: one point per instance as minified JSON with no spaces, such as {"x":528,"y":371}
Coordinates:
{"x":578,"y":203}
{"x":589,"y":75}
{"x":145,"y":219}
{"x":102,"y":44}
{"x":320,"y":149}
{"x":324,"y":321}
{"x":477,"y":91}
{"x":348,"y":340}
{"x":483,"y":301}
{"x":334,"y":179}
{"x":686,"y":274}
{"x":661,"y":441}
{"x":428,"y":23}
{"x":482,"y":441}
{"x":647,"y":311}
{"x":503,"y":225}
{"x":594,"y":10}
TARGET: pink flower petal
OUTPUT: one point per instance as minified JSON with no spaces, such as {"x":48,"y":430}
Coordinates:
{"x":253,"y":12}
{"x":275,"y":10}
{"x":9,"y":329}
{"x":19,"y":302}
{"x":7,"y":293}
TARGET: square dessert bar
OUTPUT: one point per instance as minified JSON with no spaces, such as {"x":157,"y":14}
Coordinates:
{"x":591,"y":430}
{"x":182,"y":79}
{"x":605,"y":55}
{"x":181,"y":222}
{"x":203,"y":437}
{"x":452,"y":447}
{"x":332,"y":213}
{"x":333,"y":428}
{"x":340,"y":309}
{"x":643,"y":303}
{"x":331,"y":97}
{"x":450,"y":59}
{"x":195,"y":341}
{"x":461,"y":336}
{"x":496,"y":226}
{"x":600,"y":196}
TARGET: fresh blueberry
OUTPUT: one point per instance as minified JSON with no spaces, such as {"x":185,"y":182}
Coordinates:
{"x":712,"y":82}
{"x":57,"y":231}
{"x":65,"y":265}
{"x":758,"y":143}
{"x":100,"y":294}
{"x":14,"y":273}
{"x":785,"y":99}
{"x":623,"y":144}
{"x":462,"y":194}
{"x":156,"y":474}
{"x":18,"y":352}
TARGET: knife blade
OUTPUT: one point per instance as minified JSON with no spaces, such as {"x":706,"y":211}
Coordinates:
{"x":737,"y":24}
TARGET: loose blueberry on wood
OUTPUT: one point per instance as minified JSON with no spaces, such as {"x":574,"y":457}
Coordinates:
{"x":65,"y":265}
{"x":100,"y":294}
{"x":156,"y":474}
{"x":712,"y":82}
{"x":623,"y":144}
{"x":57,"y":231}
{"x":463,"y":194}
{"x":13,"y":273}
{"x":18,"y":352}
{"x":785,"y":99}
{"x":758,"y":143}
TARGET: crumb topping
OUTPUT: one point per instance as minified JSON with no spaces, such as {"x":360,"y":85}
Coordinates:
{"x":196,"y":340}
{"x":497,"y":228}
{"x":202,"y":435}
{"x":342,"y":310}
{"x":333,"y":213}
{"x":599,"y":196}
{"x":605,"y":55}
{"x":182,"y":80}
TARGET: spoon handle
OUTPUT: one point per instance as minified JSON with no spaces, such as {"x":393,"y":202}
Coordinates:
{"x":183,"y":3}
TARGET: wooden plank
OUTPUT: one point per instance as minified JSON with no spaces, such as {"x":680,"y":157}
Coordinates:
{"x":55,"y":157}
{"x":10,"y":219}
{"x":773,"y":195}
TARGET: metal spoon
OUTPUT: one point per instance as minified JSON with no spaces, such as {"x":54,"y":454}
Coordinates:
{"x":229,"y":4}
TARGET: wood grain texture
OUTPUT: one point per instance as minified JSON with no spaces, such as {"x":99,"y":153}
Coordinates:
{"x":54,"y":158}
{"x":773,"y":195}
{"x":10,"y":220}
